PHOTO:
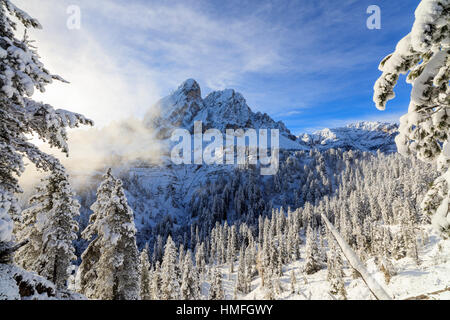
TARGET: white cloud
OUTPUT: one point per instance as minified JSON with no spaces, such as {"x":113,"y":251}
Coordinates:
{"x":130,"y":53}
{"x":101,"y":86}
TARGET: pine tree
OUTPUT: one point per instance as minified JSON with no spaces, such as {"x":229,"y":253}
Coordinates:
{"x":231,"y":253}
{"x":30,"y":228}
{"x":113,"y":255}
{"x":313,"y":263}
{"x":170,"y":283}
{"x":216,"y":290}
{"x":200,"y":262}
{"x":21,"y":72}
{"x":293,"y":281}
{"x":50,"y":226}
{"x":146,"y":277}
{"x":241,"y":284}
{"x":425,"y":54}
{"x":156,"y":282}
{"x":249,"y":270}
{"x":190,"y":287}
{"x":336,"y":272}
{"x":87,"y":271}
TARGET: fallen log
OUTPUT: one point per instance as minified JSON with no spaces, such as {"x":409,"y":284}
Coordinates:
{"x":375,"y":288}
{"x":426,"y":296}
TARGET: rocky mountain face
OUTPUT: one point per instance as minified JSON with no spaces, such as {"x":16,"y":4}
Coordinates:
{"x":220,"y":110}
{"x":228,"y":109}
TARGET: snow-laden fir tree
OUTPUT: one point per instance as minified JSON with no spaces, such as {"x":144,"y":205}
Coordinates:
{"x":313,"y":263}
{"x":50,"y":226}
{"x":293,"y":282}
{"x":156,"y":282}
{"x":190,"y":281}
{"x":21,"y":72}
{"x":231,"y":248}
{"x":250,"y":265}
{"x":216,"y":290}
{"x":200,"y":262}
{"x":146,"y":277}
{"x":241,"y":284}
{"x":116,"y":263}
{"x":87,"y":272}
{"x":424,"y":131}
{"x":336,"y":271}
{"x":181,"y":257}
{"x":170,"y":278}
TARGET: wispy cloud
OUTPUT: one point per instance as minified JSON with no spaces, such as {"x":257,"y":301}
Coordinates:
{"x":284,"y":56}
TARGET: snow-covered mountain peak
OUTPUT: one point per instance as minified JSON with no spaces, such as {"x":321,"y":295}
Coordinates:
{"x":191,"y":89}
{"x":226,"y":109}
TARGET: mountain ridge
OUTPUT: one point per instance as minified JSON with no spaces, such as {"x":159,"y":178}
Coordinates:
{"x":228,"y":109}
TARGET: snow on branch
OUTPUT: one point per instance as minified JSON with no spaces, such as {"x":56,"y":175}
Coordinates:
{"x":24,"y":17}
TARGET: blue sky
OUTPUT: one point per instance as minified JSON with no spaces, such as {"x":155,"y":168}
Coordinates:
{"x":311,"y":64}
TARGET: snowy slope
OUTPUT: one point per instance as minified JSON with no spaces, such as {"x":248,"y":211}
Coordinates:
{"x":19,"y":284}
{"x":411,"y":282}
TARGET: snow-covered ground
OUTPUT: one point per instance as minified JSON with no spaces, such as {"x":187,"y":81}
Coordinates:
{"x":430,"y":276}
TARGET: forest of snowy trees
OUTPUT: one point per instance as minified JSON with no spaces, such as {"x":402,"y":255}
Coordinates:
{"x":241,"y":231}
{"x":374,"y":201}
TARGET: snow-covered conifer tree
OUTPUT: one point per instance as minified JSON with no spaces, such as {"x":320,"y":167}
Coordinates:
{"x":336,"y":272}
{"x":170,"y":282}
{"x":241,"y":284}
{"x":216,"y":290}
{"x":424,"y":131}
{"x":146,"y":277}
{"x":50,"y":226}
{"x":293,"y":281}
{"x":21,"y":72}
{"x":200,"y":262}
{"x":156,"y":282}
{"x":313,"y":263}
{"x":110,"y":265}
{"x":87,"y":271}
{"x":190,"y":283}
{"x":231,"y":248}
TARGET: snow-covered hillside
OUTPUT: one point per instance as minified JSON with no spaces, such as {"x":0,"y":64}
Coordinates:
{"x":427,"y":281}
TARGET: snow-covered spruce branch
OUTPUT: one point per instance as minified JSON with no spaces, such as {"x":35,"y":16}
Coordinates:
{"x":374,"y":287}
{"x":21,"y":73}
{"x":425,"y":54}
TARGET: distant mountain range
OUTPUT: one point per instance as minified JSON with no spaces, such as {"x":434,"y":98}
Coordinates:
{"x":364,"y":136}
